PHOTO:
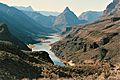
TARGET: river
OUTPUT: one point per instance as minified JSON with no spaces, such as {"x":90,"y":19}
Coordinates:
{"x":46,"y":47}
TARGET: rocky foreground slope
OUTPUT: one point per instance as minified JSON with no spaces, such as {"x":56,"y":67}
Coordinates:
{"x":90,"y":42}
{"x":90,"y":52}
{"x":16,"y":59}
{"x":18,"y":63}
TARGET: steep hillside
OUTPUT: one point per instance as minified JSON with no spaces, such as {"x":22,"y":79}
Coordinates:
{"x":46,"y":21}
{"x":20,"y":25}
{"x":41,"y":19}
{"x":5,"y":35}
{"x":99,"y":40}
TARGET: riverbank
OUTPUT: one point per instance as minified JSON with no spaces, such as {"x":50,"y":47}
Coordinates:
{"x":46,"y":46}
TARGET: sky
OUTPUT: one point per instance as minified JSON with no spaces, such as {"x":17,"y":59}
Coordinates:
{"x":77,"y":6}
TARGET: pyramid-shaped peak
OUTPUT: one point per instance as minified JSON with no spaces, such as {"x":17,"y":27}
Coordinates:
{"x":66,"y":9}
{"x":29,"y":8}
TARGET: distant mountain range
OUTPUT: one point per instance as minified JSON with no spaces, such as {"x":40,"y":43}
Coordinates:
{"x":27,"y":24}
{"x":46,"y":21}
{"x":29,"y":8}
{"x":90,"y":15}
{"x":21,"y":25}
{"x":59,"y":21}
{"x":46,"y":13}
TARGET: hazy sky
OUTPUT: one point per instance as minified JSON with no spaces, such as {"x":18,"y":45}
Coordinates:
{"x":78,"y":6}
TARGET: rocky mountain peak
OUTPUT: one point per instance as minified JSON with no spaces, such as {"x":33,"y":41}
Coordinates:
{"x":66,"y":19}
{"x":30,"y":8}
{"x":66,"y":9}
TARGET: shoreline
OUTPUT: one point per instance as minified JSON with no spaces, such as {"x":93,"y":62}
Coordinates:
{"x":31,"y":46}
{"x":46,"y":46}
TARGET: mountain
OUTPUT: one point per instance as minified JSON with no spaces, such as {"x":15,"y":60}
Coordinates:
{"x":66,"y":19}
{"x":94,"y":43}
{"x":49,"y":13}
{"x":45,"y":13}
{"x":21,"y":25}
{"x":46,"y":21}
{"x":90,"y":16}
{"x":29,"y":8}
